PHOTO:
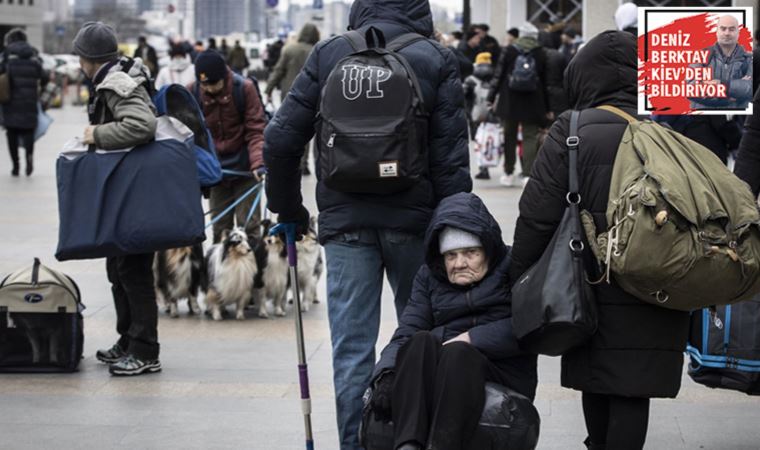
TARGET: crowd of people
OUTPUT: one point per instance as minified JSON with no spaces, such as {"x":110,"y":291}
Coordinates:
{"x":439,"y":246}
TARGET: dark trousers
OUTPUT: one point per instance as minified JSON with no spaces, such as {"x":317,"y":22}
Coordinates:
{"x":615,"y":422}
{"x":134,"y":297}
{"x":17,"y":137}
{"x":223,"y":195}
{"x":530,"y":145}
{"x":439,"y":392}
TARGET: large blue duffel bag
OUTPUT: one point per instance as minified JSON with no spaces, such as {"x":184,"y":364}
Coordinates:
{"x":131,"y":201}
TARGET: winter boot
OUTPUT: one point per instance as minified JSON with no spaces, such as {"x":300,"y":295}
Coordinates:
{"x":29,"y":162}
{"x":592,"y":446}
{"x":14,"y":161}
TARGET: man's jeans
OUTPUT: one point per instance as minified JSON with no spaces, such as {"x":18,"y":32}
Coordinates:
{"x":355,"y":265}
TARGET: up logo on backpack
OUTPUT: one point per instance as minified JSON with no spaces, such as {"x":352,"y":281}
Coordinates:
{"x":354,"y":76}
{"x":372,"y":128}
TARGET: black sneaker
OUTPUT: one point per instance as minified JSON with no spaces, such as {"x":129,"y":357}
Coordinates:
{"x":130,"y":365}
{"x":111,"y":355}
{"x":483,"y":175}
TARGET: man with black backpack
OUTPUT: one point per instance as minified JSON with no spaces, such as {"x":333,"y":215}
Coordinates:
{"x":520,"y":83}
{"x":235,"y":116}
{"x":392,"y":142}
{"x":122,"y":116}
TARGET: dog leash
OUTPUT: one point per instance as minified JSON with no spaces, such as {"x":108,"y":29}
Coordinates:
{"x":253,"y":207}
{"x":234,"y":204}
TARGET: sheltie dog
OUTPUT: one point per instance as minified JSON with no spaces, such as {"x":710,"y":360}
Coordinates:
{"x":272,"y":280}
{"x":310,"y":266}
{"x":179,"y":273}
{"x":231,"y":272}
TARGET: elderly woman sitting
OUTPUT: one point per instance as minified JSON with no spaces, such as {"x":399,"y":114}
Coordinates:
{"x":454,"y":335}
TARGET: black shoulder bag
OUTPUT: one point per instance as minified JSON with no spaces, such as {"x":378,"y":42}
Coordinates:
{"x":553,"y":304}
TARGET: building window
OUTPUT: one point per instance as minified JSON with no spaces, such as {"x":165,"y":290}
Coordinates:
{"x":542,"y":12}
{"x":683,"y":2}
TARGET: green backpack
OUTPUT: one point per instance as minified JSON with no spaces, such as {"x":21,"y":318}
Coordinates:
{"x":683,"y":230}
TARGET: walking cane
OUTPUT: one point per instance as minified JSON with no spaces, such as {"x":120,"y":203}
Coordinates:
{"x":303,"y":372}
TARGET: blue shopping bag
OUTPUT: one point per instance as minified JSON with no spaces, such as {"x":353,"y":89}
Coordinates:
{"x":43,"y":122}
{"x":131,"y":201}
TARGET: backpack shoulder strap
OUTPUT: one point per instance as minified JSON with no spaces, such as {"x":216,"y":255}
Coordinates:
{"x":356,"y":40}
{"x":618,"y":112}
{"x":238,"y":94}
{"x":404,"y":40}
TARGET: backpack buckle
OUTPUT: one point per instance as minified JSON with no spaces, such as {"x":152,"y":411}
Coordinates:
{"x":572,"y":141}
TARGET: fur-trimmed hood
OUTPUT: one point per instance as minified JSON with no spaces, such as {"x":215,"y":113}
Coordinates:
{"x":120,"y":82}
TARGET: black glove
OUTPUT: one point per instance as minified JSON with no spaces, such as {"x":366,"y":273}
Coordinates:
{"x":299,"y":216}
{"x":381,"y":396}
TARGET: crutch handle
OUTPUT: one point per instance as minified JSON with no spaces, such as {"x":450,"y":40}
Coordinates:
{"x":289,"y":229}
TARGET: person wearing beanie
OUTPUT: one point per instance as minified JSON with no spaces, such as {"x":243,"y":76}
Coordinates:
{"x":122,"y":116}
{"x":476,"y":88}
{"x":20,"y":62}
{"x":235,"y":116}
{"x":522,"y":100}
{"x":179,"y":71}
{"x":454,"y":335}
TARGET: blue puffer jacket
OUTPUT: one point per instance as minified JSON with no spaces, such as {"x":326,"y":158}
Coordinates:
{"x":437,"y":71}
{"x":484,"y":309}
{"x":25,"y":71}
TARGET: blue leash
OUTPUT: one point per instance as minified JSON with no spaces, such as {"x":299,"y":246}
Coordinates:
{"x":253,"y":207}
{"x":234,"y":204}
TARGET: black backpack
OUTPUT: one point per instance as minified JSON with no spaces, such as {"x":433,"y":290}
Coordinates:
{"x":372,"y":130}
{"x":524,"y":77}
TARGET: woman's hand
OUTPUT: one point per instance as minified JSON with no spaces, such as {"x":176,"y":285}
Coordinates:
{"x":464,"y":337}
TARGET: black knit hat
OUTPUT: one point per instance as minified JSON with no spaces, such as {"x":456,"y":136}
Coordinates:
{"x":96,"y":42}
{"x":210,"y":67}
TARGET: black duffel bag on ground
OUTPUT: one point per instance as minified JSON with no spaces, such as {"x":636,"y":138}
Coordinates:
{"x":133,"y":201}
{"x":553,"y":304}
{"x":41,"y":326}
{"x":509,"y":422}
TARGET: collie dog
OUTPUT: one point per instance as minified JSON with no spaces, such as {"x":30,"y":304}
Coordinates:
{"x":232,"y":269}
{"x":179,"y":273}
{"x":310,"y":266}
{"x":272,"y":281}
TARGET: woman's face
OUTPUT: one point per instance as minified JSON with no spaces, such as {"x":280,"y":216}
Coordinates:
{"x":465,"y":266}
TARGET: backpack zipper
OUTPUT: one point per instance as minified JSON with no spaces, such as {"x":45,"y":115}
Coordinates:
{"x":331,"y":141}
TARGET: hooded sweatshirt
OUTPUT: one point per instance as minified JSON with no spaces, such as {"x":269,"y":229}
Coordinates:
{"x":292,"y":60}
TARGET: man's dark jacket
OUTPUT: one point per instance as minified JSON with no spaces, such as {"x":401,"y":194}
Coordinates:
{"x":293,"y":126}
{"x":25,"y":72}
{"x":729,"y":69}
{"x":637,"y":350}
{"x":483,"y":309}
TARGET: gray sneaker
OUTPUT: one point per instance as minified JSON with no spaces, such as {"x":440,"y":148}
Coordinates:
{"x":131,"y":365}
{"x":111,"y":355}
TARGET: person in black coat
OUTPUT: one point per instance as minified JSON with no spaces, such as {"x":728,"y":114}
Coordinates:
{"x":531,"y":109}
{"x":455,"y":334}
{"x":148,"y":54}
{"x":555,"y":76}
{"x":637,"y":351}
{"x":24,"y":68}
{"x":368,"y":235}
{"x":748,"y":160}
